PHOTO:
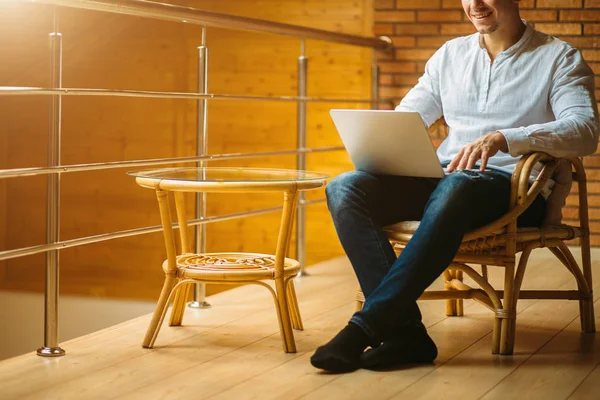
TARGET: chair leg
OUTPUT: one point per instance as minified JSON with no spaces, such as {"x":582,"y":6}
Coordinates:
{"x":359,"y":305}
{"x":584,"y":283}
{"x":159,"y":312}
{"x":360,"y":300}
{"x":507,"y":336}
{"x":496,"y":335}
{"x":293,"y":306}
{"x":508,"y":314}
{"x":506,"y":323}
{"x":459,"y":305}
{"x":179,"y":304}
{"x":588,"y":324}
{"x":586,"y":306}
{"x":586,"y":310}
{"x":450,"y":303}
{"x":587,"y":318}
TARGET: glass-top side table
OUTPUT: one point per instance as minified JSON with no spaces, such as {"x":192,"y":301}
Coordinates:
{"x":187,"y":268}
{"x":223,"y":179}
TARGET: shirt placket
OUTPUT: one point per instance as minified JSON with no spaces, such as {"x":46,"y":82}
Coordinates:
{"x":485,"y":87}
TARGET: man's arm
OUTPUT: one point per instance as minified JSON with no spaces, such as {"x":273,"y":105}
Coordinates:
{"x":424,"y":97}
{"x":574,"y":133}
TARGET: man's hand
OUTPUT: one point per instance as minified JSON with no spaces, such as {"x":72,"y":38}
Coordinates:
{"x":481,"y":149}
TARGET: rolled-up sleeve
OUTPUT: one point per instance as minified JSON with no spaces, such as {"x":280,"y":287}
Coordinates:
{"x":574,"y":133}
{"x":424,"y":97}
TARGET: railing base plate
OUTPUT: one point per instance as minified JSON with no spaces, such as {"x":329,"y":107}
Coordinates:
{"x":198,"y":304}
{"x":50,"y":352}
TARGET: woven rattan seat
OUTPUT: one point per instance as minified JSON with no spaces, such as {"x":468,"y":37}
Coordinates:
{"x":402,"y":232}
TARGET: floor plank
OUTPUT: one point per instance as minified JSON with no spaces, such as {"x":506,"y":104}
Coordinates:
{"x":453,"y":336}
{"x":233,"y":351}
{"x":588,"y":389}
{"x":197,"y":353}
{"x":230,"y":324}
{"x":557,"y":369}
{"x":475,"y":371}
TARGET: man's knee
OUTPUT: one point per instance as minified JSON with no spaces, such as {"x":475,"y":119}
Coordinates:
{"x":461,"y":181}
{"x":470,"y":191}
{"x":346,"y":188}
{"x":458,"y":187}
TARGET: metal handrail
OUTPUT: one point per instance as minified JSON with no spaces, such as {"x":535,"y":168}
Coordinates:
{"x":165,"y":12}
{"x":29,"y":91}
{"x":65,"y":244}
{"x":34,"y":171}
{"x":169,"y":12}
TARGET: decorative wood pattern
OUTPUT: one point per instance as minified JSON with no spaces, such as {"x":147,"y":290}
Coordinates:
{"x":112,"y":51}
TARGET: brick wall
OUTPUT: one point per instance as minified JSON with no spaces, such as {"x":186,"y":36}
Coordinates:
{"x":418,"y":28}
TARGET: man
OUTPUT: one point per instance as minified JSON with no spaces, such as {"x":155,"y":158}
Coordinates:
{"x":505,"y":91}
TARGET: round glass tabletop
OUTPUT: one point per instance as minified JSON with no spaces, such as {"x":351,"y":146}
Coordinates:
{"x":230,"y":175}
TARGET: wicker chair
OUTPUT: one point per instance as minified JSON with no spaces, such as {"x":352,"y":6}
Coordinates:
{"x":499,"y":242}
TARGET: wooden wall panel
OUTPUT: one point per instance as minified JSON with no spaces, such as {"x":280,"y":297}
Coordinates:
{"x":97,"y":130}
{"x":3,"y":192}
{"x":24,"y":53}
{"x":112,"y":51}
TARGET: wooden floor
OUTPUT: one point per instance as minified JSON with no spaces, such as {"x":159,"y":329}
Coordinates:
{"x":233,"y":351}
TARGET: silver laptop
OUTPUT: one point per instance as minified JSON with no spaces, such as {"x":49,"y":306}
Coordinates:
{"x":388,"y":142}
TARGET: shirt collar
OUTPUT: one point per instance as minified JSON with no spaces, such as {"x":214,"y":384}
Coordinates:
{"x":515,"y":47}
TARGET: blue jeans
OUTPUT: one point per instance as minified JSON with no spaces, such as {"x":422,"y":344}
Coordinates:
{"x":361,"y":204}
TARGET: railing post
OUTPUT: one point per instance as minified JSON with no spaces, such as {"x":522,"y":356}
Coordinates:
{"x":375,"y":82}
{"x":201,"y":150}
{"x":301,"y":158}
{"x":51,"y":347}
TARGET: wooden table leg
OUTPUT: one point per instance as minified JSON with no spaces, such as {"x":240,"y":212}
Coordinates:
{"x":283,"y":240}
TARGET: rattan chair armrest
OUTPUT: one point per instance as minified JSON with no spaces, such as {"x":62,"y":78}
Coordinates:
{"x":522,"y":195}
{"x":520,"y":177}
{"x":580,"y":177}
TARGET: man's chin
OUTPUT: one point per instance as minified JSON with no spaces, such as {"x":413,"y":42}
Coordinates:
{"x":486,"y":30}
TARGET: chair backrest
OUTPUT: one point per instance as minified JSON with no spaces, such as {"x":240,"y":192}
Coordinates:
{"x":563,"y":181}
{"x":439,"y":123}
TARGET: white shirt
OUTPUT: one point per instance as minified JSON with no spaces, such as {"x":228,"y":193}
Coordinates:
{"x":539,"y":94}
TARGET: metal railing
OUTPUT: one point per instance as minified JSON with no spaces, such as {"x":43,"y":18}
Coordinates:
{"x":53,"y":171}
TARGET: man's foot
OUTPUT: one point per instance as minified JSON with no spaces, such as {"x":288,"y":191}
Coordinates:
{"x":412,"y":346}
{"x":342,"y":353}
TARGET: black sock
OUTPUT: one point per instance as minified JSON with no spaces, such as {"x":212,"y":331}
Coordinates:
{"x":411,"y":346}
{"x":342,"y":353}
